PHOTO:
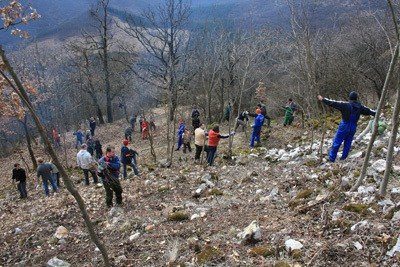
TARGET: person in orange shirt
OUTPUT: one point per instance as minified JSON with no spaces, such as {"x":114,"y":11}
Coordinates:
{"x":145,"y":129}
{"x":213,"y":140}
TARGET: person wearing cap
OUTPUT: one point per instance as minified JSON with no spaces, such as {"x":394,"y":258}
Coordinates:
{"x":86,"y":162}
{"x":19,"y":175}
{"x":128,"y":158}
{"x":351,"y":112}
{"x":258,"y":123}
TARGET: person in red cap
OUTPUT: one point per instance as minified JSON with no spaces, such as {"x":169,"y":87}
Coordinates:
{"x":258,"y":123}
{"x":128,"y":158}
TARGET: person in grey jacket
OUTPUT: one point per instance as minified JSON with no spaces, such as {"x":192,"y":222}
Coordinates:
{"x":44,"y":171}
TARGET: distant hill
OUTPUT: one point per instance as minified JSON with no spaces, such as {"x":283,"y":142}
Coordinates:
{"x":66,"y":18}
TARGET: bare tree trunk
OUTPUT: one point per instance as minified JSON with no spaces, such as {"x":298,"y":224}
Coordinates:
{"x":29,"y":143}
{"x":20,"y":90}
{"x":392,"y":142}
{"x":389,"y":75}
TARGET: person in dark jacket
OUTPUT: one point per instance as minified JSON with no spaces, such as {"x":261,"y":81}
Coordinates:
{"x":132,"y":121}
{"x":195,"y":118}
{"x":128,"y":134}
{"x":79,"y":138}
{"x":108,"y":169}
{"x":128,"y":158}
{"x":258,"y":123}
{"x":19,"y":175}
{"x":90,"y":145}
{"x":92,"y":125}
{"x":351,"y":112}
{"x":98,"y":148}
{"x":45,"y":171}
{"x":242,"y":120}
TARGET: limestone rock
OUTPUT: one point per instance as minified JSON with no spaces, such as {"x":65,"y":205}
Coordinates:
{"x":56,"y":262}
{"x":251,"y":233}
{"x":61,"y":232}
{"x":292,"y":244}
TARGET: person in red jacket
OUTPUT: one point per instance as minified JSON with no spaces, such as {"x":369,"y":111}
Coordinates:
{"x":213,"y":140}
{"x":145,"y":129}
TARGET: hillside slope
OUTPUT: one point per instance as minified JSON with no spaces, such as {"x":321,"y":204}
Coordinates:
{"x":195,"y":216}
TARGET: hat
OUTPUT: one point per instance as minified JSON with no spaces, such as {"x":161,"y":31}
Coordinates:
{"x":258,"y":111}
{"x":353,"y":96}
{"x":125,"y":142}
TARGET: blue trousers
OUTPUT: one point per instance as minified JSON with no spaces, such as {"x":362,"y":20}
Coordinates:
{"x":255,"y":136}
{"x":211,"y":153}
{"x":46,"y":181}
{"x":134,"y":167}
{"x":180,"y":142}
{"x":345,"y":134}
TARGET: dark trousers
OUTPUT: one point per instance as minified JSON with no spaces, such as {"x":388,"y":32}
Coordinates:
{"x":134,"y":167}
{"x":111,"y":188}
{"x":86,"y":174}
{"x":22,"y":189}
{"x":92,"y":131}
{"x":199,"y":149}
{"x":186,"y":146}
{"x":211,"y":153}
{"x":128,"y":137}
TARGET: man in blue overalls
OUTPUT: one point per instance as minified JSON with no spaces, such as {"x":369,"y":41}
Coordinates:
{"x":258,"y":123}
{"x":351,"y":112}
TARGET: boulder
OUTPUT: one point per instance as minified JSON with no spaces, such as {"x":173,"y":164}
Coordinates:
{"x":379,"y":165}
{"x":396,"y":216}
{"x":134,"y":236}
{"x":56,"y":262}
{"x":17,"y":231}
{"x":251,"y":233}
{"x":395,"y":249}
{"x":292,"y":244}
{"x":61,"y":232}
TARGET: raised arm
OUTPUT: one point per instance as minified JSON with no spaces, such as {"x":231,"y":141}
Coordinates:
{"x":339,"y":105}
{"x":367,"y":111}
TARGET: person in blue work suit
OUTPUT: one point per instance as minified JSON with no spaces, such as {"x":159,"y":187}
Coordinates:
{"x":258,"y":123}
{"x":79,"y":138}
{"x":351,"y":112}
{"x":181,"y":131}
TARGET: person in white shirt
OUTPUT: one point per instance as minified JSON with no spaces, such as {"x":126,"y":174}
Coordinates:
{"x":86,"y":162}
{"x":200,"y":137}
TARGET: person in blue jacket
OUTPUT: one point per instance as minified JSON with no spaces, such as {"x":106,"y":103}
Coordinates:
{"x":79,"y":138}
{"x":128,"y":158}
{"x":258,"y":123}
{"x":108,"y":170}
{"x":351,"y":112}
{"x":181,"y":131}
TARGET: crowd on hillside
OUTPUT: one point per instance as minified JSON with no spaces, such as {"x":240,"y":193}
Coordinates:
{"x":92,"y":161}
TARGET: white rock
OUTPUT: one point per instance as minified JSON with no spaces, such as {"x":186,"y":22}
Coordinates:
{"x":134,"y":236}
{"x":56,"y":262}
{"x":17,"y":231}
{"x":292,"y":244}
{"x":194,"y":217}
{"x":359,"y":225}
{"x":357,"y":245}
{"x":395,"y":191}
{"x":61,"y":232}
{"x":356,"y":155}
{"x":396,"y":248}
{"x":379,"y":165}
{"x":366,"y":190}
{"x":336,"y":215}
{"x":259,"y":191}
{"x":251,"y":232}
{"x":396,"y":216}
{"x":253,"y":155}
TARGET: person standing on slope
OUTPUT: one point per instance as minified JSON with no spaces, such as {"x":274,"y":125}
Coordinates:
{"x":213,"y":140}
{"x":200,"y":137}
{"x":181,"y":131}
{"x":19,"y":175}
{"x":92,"y":125}
{"x":85,"y":161}
{"x":258,"y":123}
{"x":351,"y":112}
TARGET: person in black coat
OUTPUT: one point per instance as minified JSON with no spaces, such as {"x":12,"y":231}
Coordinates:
{"x":19,"y":175}
{"x":98,"y":148}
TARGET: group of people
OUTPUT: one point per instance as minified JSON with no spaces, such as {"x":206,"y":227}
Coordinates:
{"x":108,"y":167}
{"x":145,"y":126}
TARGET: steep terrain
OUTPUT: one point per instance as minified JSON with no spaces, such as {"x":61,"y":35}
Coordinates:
{"x":302,"y":212}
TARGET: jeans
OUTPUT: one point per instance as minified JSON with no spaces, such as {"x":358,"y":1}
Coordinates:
{"x":112,"y":187}
{"x":46,"y":181}
{"x":79,"y":142}
{"x":86,"y":174}
{"x":134,"y":167}
{"x":22,"y":189}
{"x":211,"y":154}
{"x":56,"y":177}
{"x":180,"y":142}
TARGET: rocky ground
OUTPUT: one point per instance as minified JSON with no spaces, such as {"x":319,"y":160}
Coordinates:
{"x":274,"y":206}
